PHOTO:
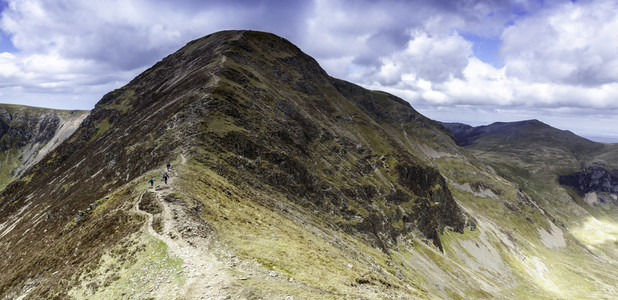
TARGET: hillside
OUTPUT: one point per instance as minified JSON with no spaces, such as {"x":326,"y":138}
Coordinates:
{"x":28,"y":133}
{"x":532,"y":147}
{"x":284,"y":182}
{"x":575,"y":178}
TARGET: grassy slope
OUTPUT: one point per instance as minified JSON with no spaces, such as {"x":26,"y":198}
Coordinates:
{"x":9,"y":161}
{"x":283,"y":237}
{"x":532,"y":161}
{"x":544,"y":257}
{"x":518,"y":249}
{"x":535,"y":166}
{"x":502,"y":257}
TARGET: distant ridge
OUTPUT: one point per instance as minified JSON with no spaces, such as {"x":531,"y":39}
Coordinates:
{"x":513,"y":133}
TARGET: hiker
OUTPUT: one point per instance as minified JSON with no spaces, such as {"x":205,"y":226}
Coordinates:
{"x":151,"y":182}
{"x":165,"y":177}
{"x":168,"y":166}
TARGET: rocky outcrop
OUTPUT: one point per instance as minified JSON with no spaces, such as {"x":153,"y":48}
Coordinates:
{"x":18,"y":130}
{"x":592,"y":179}
{"x":27,"y":134}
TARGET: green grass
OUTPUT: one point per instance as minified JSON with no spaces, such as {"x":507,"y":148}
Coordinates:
{"x":9,"y":161}
{"x":222,"y":125}
{"x":134,"y":269}
{"x":567,"y":272}
{"x":299,"y":247}
{"x":102,"y":127}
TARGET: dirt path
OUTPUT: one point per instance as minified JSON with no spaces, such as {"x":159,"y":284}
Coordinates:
{"x":188,"y":237}
{"x":213,"y":72}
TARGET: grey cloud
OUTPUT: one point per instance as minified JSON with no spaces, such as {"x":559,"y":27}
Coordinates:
{"x":381,"y":44}
{"x":128,"y":41}
{"x":120,"y":45}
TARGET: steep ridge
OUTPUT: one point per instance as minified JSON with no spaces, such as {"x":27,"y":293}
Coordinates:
{"x":285,"y":183}
{"x":129,"y":132}
{"x":228,"y":100}
{"x":28,"y":133}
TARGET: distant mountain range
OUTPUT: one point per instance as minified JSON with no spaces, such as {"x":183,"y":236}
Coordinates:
{"x":284,"y":182}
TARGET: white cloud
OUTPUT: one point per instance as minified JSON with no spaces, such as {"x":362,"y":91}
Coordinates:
{"x":571,"y":43}
{"x":561,"y":67}
{"x":7,"y":65}
{"x":82,"y":50}
{"x":434,"y":59}
{"x":119,"y":33}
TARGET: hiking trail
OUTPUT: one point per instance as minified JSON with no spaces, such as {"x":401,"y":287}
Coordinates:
{"x":188,"y":237}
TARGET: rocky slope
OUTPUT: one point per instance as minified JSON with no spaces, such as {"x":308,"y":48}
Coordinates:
{"x":29,"y":133}
{"x":285,"y":182}
{"x":593,"y":180}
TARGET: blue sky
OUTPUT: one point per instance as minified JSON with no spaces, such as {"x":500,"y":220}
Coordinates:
{"x":470,"y":61}
{"x":5,"y":41}
{"x":5,"y":44}
{"x":487,"y":49}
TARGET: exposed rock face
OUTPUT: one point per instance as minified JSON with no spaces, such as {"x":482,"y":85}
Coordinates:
{"x":18,"y":130}
{"x":592,"y":179}
{"x":28,"y":133}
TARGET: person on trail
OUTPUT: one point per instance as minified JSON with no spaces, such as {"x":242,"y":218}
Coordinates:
{"x":165,"y":176}
{"x":151,"y":182}
{"x":168,"y":166}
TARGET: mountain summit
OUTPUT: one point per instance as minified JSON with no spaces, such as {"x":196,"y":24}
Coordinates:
{"x":254,"y":110}
{"x":282,"y":181}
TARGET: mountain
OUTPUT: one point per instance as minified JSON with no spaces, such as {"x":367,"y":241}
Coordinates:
{"x":536,"y":147}
{"x":28,"y":133}
{"x":284,"y":182}
{"x":517,"y":134}
{"x":574,"y":177}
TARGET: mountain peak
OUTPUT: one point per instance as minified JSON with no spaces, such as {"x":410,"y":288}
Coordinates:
{"x":262,"y":127}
